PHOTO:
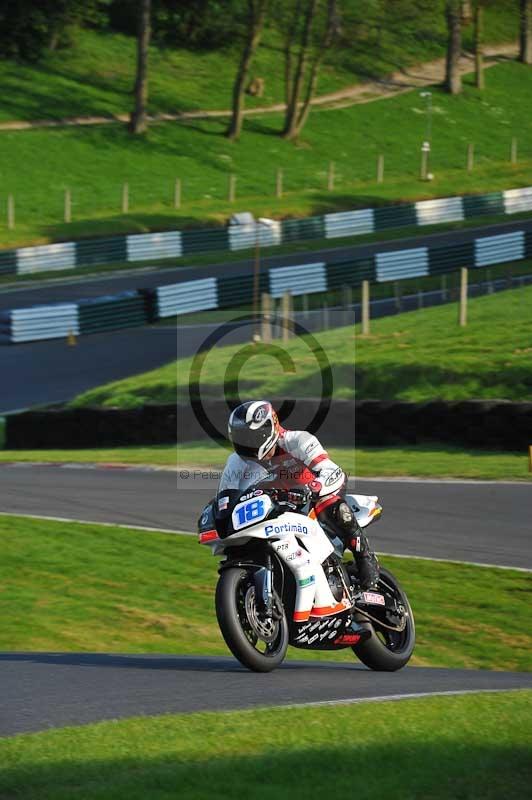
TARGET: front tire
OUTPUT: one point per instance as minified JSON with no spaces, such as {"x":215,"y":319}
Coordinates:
{"x":385,"y":650}
{"x":259,"y":645}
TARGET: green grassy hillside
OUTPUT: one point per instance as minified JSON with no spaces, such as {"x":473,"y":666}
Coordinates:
{"x":95,"y":74}
{"x":415,"y":356}
{"x":94,"y":162}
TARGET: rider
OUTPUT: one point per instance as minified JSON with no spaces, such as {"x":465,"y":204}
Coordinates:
{"x":261,"y":443}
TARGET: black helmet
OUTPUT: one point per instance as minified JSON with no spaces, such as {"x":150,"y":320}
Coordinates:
{"x":253,"y":429}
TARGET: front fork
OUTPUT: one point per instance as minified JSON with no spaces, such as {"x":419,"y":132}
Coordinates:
{"x":264,"y":588}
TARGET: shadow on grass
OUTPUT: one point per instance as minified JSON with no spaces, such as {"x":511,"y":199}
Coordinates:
{"x":403,"y":769}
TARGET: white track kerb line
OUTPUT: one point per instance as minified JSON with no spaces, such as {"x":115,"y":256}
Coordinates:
{"x":140,"y":528}
{"x":391,"y":697}
{"x":145,"y":529}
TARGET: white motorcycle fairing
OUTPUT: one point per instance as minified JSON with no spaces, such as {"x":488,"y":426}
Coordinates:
{"x":366,"y":508}
{"x":302,"y":545}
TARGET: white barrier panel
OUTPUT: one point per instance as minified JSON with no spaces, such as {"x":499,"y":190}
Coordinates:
{"x":444,"y":209}
{"x":182,"y":298}
{"x":304,"y":279}
{"x":267,"y":232}
{"x":402,"y":264}
{"x":516,"y":200}
{"x":44,"y":322}
{"x":498,"y":249}
{"x":46,"y":257}
{"x":349,"y":223}
{"x":145,"y":246}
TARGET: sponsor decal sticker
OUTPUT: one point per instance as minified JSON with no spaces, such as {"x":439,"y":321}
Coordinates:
{"x":373,"y":598}
{"x":348,"y":638}
{"x":260,"y":414}
{"x":307,"y":581}
{"x":285,"y":528}
{"x":297,"y":554}
{"x":251,"y":495}
{"x":223,"y":503}
{"x":334,"y":477}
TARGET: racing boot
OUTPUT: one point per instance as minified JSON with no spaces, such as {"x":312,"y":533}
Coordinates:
{"x":365,"y":559}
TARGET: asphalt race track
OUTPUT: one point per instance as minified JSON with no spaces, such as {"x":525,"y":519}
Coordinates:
{"x":39,"y":373}
{"x":46,"y":690}
{"x":72,"y":289}
{"x":478,"y":522}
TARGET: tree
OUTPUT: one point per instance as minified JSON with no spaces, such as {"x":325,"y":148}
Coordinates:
{"x":138,"y":121}
{"x":256,"y":15}
{"x":309,"y":35}
{"x":453,"y":16}
{"x":478,"y":20}
{"x":28,"y":28}
{"x":525,"y":31}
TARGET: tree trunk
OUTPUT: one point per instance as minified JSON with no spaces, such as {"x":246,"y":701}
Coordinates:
{"x":297,"y":110}
{"x":453,"y":80}
{"x":525,"y":30}
{"x":290,"y":123}
{"x":138,"y":121}
{"x":477,"y":37}
{"x":313,"y":79}
{"x":289,"y":43}
{"x":255,"y":24}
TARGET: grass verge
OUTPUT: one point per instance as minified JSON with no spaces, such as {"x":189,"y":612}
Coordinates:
{"x":422,"y":461}
{"x":437,"y":748}
{"x":67,"y":586}
{"x":416,"y":356}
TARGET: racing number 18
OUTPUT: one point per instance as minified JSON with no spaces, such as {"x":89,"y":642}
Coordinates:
{"x":251,"y":511}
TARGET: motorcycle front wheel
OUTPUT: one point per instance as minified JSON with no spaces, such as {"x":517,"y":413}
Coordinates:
{"x":387,"y":649}
{"x":259,"y":644}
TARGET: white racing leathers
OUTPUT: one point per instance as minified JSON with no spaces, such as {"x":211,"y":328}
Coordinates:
{"x":299,"y":459}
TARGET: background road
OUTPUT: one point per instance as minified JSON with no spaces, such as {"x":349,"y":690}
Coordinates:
{"x":73,"y":289}
{"x":38,"y":373}
{"x":74,"y":689}
{"x":478,"y":522}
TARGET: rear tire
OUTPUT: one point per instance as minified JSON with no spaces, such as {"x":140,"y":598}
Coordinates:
{"x":233,"y":587}
{"x":379,"y":654}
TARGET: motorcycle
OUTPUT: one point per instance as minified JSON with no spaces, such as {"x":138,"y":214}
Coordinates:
{"x":283,"y":581}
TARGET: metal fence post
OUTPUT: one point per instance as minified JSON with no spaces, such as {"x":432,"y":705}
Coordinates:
{"x":10,"y":212}
{"x":365,"y":308}
{"x":125,"y":198}
{"x":463,"y":297}
{"x":380,"y":169}
{"x":266,"y":319}
{"x":470,"y":157}
{"x":330,"y":176}
{"x":232,"y":188}
{"x":177,"y":193}
{"x":279,"y":183}
{"x":68,"y":206}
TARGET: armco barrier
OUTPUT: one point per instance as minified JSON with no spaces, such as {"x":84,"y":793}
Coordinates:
{"x":145,"y":306}
{"x":182,"y":298}
{"x":175,"y":244}
{"x":496,"y":425}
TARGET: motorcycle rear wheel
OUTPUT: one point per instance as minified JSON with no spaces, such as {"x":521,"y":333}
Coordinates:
{"x":258,"y":645}
{"x":386,"y":650}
